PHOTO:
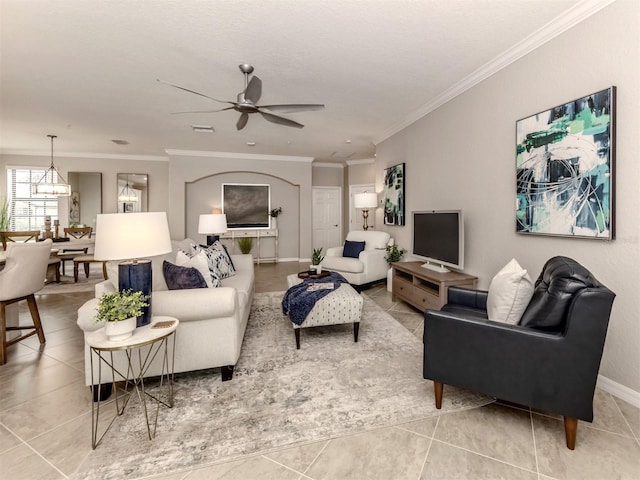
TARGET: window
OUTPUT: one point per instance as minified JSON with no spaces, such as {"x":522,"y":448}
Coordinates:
{"x":28,"y":211}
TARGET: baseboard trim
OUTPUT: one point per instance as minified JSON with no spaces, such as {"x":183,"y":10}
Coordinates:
{"x":619,"y":390}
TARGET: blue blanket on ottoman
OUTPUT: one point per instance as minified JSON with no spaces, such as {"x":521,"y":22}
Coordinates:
{"x":299,"y":300}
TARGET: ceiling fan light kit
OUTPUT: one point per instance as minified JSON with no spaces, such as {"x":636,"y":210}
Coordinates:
{"x":247,"y":100}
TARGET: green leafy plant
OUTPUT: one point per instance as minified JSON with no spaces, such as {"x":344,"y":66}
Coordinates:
{"x":317,"y":256}
{"x":117,"y":306}
{"x":275,"y":212}
{"x":5,"y":216}
{"x":394,"y":254}
{"x":245,"y":244}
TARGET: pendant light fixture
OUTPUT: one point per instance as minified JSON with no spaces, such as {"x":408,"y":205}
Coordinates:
{"x":52,"y":183}
{"x":127,"y":195}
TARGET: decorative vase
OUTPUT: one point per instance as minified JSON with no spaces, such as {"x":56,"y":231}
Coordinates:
{"x":121,"y":330}
{"x":390,"y":280}
{"x":318,"y":269}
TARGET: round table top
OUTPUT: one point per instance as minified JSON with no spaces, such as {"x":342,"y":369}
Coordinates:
{"x":159,"y":328}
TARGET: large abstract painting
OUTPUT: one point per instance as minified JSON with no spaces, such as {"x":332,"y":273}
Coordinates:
{"x":565,"y":160}
{"x":246,"y":206}
{"x":394,"y":195}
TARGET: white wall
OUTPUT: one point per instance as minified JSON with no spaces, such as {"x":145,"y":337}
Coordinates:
{"x":462,"y":156}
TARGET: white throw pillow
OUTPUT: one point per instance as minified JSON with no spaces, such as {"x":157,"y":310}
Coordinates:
{"x":199,"y":262}
{"x":510,"y":292}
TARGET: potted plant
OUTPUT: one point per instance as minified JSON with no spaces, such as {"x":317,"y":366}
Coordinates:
{"x":394,"y":254}
{"x":119,"y":311}
{"x":316,"y":258}
{"x":5,"y":216}
{"x":245,"y":244}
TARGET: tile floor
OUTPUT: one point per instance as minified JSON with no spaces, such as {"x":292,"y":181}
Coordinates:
{"x":45,"y":423}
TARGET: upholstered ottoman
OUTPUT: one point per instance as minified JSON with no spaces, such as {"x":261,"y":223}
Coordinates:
{"x":342,"y":305}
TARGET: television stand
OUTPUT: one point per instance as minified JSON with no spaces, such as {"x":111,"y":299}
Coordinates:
{"x":424,"y":288}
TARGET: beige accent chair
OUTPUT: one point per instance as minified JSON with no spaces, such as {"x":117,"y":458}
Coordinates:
{"x":369,"y":267}
{"x":23,"y":275}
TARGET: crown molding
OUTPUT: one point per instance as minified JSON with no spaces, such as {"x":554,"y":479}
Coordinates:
{"x":103,"y":156}
{"x":241,"y":156}
{"x":327,"y":165}
{"x":559,"y":25}
{"x":361,"y":162}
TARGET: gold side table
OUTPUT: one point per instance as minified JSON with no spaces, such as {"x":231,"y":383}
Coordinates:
{"x":149,"y":342}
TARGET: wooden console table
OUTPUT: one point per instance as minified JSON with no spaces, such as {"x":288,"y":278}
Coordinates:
{"x":423,"y":288}
{"x":233,"y":235}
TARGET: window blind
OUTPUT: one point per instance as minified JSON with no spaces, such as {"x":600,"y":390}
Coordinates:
{"x":28,"y":211}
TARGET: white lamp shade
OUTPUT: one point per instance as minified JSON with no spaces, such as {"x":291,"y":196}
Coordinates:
{"x":365,"y":200}
{"x":212,"y":223}
{"x":121,"y":236}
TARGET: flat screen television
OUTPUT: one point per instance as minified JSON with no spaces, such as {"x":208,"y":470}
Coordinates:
{"x":246,"y":206}
{"x":438,"y":238}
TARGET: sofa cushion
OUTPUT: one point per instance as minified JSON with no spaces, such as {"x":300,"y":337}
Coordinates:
{"x":343,"y":264}
{"x":509,"y":293}
{"x":561,"y":278}
{"x":200,"y":262}
{"x":352,"y":249}
{"x":180,"y":278}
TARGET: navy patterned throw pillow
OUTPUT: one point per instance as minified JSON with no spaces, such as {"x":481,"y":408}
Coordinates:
{"x":220,"y":263}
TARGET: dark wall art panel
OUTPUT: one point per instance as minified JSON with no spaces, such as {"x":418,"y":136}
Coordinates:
{"x":394,"y":195}
{"x":246,"y":206}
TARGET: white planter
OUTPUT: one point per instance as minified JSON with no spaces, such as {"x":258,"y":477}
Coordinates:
{"x":121,"y":330}
{"x":389,"y":280}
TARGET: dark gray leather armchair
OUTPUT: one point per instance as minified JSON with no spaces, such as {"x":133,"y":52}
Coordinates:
{"x":549,"y":361}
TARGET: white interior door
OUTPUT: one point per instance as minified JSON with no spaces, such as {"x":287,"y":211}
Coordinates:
{"x":355,"y":216}
{"x":327,"y":217}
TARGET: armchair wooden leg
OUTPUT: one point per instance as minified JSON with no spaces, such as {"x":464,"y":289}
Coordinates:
{"x":437,"y":390}
{"x":570,"y":431}
{"x":3,"y":333}
{"x":35,"y":315}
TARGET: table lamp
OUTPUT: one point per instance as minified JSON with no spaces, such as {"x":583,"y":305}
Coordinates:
{"x":129,"y":237}
{"x":365,"y":201}
{"x":212,"y":225}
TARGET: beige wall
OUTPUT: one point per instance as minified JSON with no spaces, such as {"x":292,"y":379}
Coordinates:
{"x":461,"y":156}
{"x":157,"y":170}
{"x":325,"y":176}
{"x":187,"y":167}
{"x":362,"y":172}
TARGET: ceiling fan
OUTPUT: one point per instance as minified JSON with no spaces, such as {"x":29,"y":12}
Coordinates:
{"x":247,"y":100}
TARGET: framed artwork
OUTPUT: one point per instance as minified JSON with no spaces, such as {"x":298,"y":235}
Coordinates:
{"x":74,"y":209}
{"x":128,"y":207}
{"x":565,"y":159}
{"x":394,"y":195}
{"x":246,"y":205}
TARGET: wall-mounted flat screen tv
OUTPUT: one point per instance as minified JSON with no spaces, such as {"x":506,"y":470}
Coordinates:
{"x":438,"y":238}
{"x":246,"y":206}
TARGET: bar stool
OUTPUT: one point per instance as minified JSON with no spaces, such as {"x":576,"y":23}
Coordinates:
{"x":23,"y":275}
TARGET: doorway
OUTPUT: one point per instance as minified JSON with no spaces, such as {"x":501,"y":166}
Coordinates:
{"x":327,"y":217}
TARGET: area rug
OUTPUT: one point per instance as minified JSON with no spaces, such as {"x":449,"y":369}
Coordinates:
{"x":280,"y":396}
{"x":67,"y":285}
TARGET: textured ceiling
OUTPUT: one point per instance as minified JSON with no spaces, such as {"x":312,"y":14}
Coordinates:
{"x":86,"y":70}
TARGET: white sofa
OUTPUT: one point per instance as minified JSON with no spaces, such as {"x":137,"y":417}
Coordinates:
{"x":370,"y":266}
{"x":212,"y":320}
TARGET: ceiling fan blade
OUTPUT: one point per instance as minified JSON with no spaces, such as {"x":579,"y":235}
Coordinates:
{"x":253,"y":90}
{"x":242,"y":121}
{"x":280,"y":120}
{"x":205,"y":111}
{"x":193,"y":91}
{"x":294,"y":107}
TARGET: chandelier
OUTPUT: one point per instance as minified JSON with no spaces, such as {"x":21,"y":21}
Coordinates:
{"x":52,"y":183}
{"x":127,"y":194}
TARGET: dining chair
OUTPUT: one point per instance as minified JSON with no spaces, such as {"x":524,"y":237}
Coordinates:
{"x":78,"y":232}
{"x":69,"y":254}
{"x":18,"y":236}
{"x":23,"y":275}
